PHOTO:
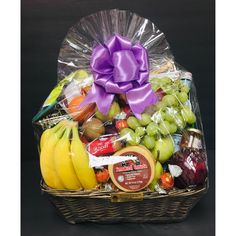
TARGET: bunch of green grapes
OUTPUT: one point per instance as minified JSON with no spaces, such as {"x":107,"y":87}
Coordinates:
{"x":171,"y":114}
{"x":171,"y":87}
{"x":173,"y":111}
{"x":140,"y":131}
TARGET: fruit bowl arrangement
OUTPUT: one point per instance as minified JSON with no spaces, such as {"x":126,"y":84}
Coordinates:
{"x":120,"y":136}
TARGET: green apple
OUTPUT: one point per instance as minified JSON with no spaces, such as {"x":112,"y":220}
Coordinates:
{"x":164,"y":149}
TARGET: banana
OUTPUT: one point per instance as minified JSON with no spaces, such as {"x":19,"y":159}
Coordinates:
{"x":63,"y":162}
{"x":47,"y":161}
{"x":80,"y":161}
{"x":48,"y":132}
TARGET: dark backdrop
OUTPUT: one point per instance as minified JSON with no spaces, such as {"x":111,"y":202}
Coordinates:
{"x":188,"y":26}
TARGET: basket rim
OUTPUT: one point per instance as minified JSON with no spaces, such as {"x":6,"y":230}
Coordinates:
{"x":108,"y":194}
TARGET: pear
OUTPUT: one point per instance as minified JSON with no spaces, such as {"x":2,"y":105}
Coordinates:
{"x":158,"y":173}
{"x":100,"y":116}
{"x":164,"y":149}
{"x":114,"y":110}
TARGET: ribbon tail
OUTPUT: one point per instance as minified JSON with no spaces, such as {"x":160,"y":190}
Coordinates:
{"x":98,"y":95}
{"x":140,"y":98}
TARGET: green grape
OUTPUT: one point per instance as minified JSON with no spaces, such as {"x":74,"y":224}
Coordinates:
{"x":184,"y":88}
{"x":140,"y":131}
{"x":157,"y":116}
{"x":170,"y":113}
{"x":170,"y":89}
{"x":133,"y":122}
{"x":145,"y":119}
{"x":142,"y":141}
{"x":186,"y":107}
{"x":160,"y":105}
{"x":170,"y":100}
{"x":173,"y":128}
{"x":149,"y":141}
{"x":188,"y":115}
{"x":168,"y":116}
{"x":152,"y":129}
{"x":125,"y":133}
{"x":134,"y":139}
{"x":183,"y":97}
{"x":155,"y":87}
{"x":165,"y":80}
{"x":164,"y":127}
{"x":154,"y":80}
{"x":179,"y":121}
{"x":177,"y":83}
{"x":155,"y":83}
{"x":129,"y":136}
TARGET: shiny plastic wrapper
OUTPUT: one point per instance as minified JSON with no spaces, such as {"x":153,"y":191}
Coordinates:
{"x":124,"y":115}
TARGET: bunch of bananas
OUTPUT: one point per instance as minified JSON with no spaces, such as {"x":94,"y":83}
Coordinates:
{"x":64,"y":160}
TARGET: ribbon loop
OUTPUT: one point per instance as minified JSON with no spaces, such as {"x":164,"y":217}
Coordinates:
{"x":120,"y":68}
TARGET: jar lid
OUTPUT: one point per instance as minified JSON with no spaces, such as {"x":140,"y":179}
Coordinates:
{"x":195,"y":130}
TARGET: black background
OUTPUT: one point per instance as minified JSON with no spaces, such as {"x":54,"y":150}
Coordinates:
{"x":189,"y":28}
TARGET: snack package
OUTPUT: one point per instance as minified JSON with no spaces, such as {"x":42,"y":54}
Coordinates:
{"x":124,"y":115}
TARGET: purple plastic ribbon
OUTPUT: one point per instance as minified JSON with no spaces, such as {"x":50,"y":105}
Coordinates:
{"x":119,"y":67}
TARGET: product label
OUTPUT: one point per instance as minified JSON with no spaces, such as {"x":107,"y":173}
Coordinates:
{"x":132,"y":175}
{"x":107,"y":160}
{"x":195,"y":143}
{"x":126,"y":197}
{"x":177,"y":140}
{"x":101,"y":146}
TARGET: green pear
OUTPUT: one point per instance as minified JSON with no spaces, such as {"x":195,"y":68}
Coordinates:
{"x":114,"y":110}
{"x":158,"y":173}
{"x":164,"y":149}
{"x":100,"y":116}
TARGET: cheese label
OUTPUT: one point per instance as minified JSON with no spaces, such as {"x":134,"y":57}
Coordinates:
{"x":132,"y":175}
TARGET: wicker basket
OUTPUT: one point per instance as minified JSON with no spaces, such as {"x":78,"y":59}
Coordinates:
{"x":107,"y":207}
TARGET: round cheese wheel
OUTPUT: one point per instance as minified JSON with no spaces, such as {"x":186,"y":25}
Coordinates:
{"x":133,"y":175}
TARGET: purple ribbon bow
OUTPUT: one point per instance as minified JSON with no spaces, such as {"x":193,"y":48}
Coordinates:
{"x":119,"y":67}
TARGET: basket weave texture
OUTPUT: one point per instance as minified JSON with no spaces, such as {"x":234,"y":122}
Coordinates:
{"x":87,"y":206}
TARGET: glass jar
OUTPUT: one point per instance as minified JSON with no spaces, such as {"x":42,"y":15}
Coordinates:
{"x":191,"y":138}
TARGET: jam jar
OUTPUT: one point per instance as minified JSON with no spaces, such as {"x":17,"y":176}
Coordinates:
{"x":192,"y":139}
